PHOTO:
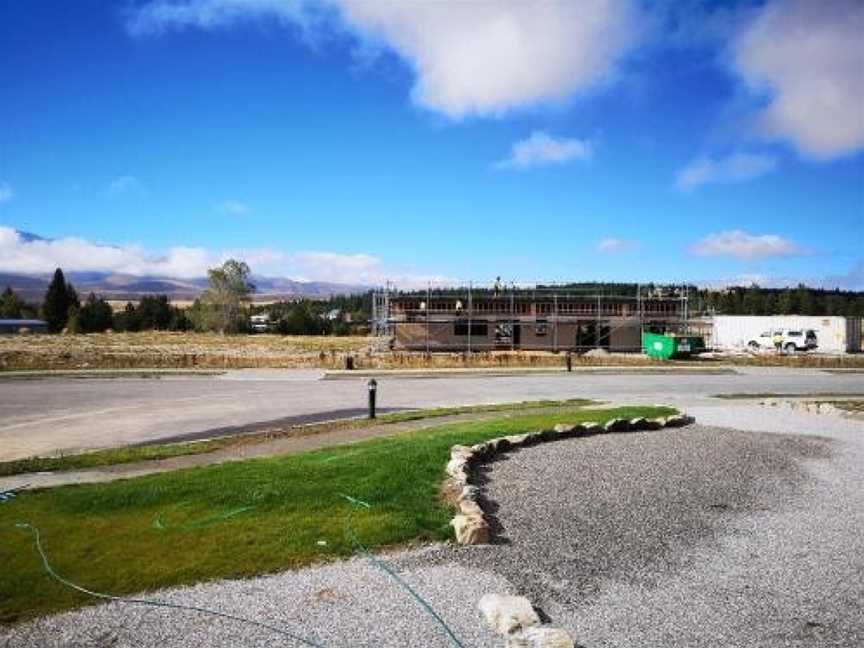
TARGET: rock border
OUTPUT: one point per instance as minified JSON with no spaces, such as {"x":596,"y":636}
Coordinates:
{"x":470,"y":523}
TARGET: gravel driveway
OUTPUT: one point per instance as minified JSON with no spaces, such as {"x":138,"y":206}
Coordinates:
{"x":701,"y":536}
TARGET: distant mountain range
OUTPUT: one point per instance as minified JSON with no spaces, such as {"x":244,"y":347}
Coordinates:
{"x":128,"y":287}
{"x":114,"y":286}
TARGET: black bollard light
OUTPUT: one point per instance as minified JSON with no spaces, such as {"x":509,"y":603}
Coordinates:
{"x":373,"y":390}
{"x":569,"y":361}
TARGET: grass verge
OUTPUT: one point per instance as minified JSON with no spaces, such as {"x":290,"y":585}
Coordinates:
{"x":751,"y":396}
{"x":239,"y":519}
{"x":132,"y":454}
{"x":851,"y":406}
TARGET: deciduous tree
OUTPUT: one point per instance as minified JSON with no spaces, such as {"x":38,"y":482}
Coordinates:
{"x":228,"y":296}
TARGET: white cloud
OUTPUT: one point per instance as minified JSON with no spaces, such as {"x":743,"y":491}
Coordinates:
{"x":738,"y":167}
{"x":851,"y":280}
{"x":28,"y":255}
{"x":615,"y":245}
{"x":18,"y":254}
{"x":234,"y":208}
{"x":808,"y":58}
{"x":469,"y":58}
{"x":6,"y":192}
{"x":541,"y":149}
{"x":740,"y":244}
{"x":125,"y":185}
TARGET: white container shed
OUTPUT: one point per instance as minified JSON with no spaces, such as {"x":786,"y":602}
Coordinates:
{"x":833,"y":334}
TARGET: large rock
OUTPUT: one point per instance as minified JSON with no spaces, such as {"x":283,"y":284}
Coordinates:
{"x":461,"y":452}
{"x":482,"y":450}
{"x":468,"y":493}
{"x":653,"y":424}
{"x":589,"y":427}
{"x":540,"y":637}
{"x":533,"y":438}
{"x":617,"y":425}
{"x":470,"y":529}
{"x":678,"y":420}
{"x":508,"y":614}
{"x":469,"y":507}
{"x":564,"y":429}
{"x":457,"y":467}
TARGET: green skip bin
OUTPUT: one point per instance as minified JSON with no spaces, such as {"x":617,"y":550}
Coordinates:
{"x":664,"y":346}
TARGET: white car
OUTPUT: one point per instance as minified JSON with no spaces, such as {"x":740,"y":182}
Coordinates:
{"x":792,"y":340}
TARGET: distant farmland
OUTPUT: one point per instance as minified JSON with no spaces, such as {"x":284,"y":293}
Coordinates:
{"x":170,"y":350}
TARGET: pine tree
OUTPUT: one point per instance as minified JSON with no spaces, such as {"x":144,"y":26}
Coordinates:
{"x":95,"y":315}
{"x":55,"y":309}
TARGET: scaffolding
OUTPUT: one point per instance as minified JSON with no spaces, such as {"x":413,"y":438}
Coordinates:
{"x":553,"y":317}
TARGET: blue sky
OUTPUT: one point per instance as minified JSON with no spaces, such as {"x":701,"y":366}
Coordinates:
{"x":358,"y":140}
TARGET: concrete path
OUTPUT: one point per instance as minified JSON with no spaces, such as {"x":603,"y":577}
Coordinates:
{"x":67,"y":415}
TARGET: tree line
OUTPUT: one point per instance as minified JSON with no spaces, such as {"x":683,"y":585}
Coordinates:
{"x":779,"y":301}
{"x":224,"y":307}
{"x":741,"y":300}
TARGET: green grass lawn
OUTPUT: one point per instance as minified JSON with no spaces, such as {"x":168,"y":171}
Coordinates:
{"x":239,"y":519}
{"x":131,"y":454}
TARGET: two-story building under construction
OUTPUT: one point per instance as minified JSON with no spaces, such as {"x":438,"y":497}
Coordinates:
{"x":556,"y":318}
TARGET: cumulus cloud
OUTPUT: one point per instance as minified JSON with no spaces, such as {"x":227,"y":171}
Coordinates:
{"x":25,"y":254}
{"x":615,"y":245}
{"x":806,"y":58}
{"x":34,"y":255}
{"x":741,"y":245}
{"x":6,"y":192}
{"x":234,"y":208}
{"x":469,"y":58}
{"x":542,"y":149}
{"x":125,"y":185}
{"x":738,"y":167}
{"x":851,"y":280}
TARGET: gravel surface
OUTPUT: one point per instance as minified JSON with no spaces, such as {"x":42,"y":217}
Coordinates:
{"x":352,"y":603}
{"x":701,"y":536}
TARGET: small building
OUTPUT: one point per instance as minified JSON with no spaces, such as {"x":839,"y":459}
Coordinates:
{"x":754,"y":332}
{"x":555,"y":318}
{"x":13,"y":326}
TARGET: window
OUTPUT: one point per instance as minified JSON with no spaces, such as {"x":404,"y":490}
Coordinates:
{"x":478,"y":329}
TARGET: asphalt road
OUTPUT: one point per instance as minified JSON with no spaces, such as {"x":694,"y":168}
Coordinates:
{"x":64,"y":414}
